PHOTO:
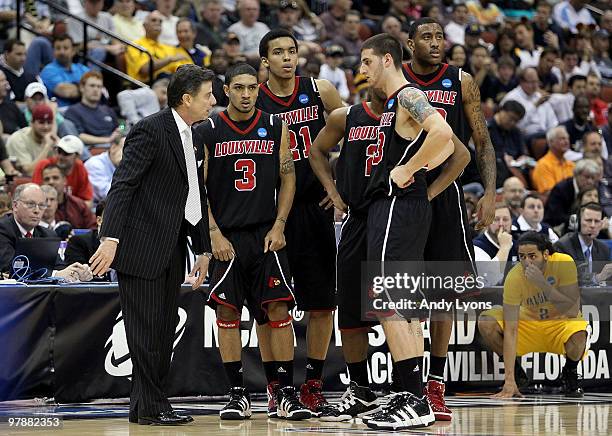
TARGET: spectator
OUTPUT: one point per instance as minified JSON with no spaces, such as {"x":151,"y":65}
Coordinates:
{"x":29,"y":204}
{"x":77,"y":179}
{"x":232,"y":50}
{"x":590,"y":195}
{"x":473,"y":38}
{"x":399,"y":9}
{"x":166,"y":58}
{"x":455,"y":29}
{"x":580,"y":124}
{"x":570,"y":67}
{"x":330,"y":70}
{"x":599,"y":108}
{"x":126,"y":24}
{"x":6,"y":166}
{"x":531,"y":219}
{"x":494,"y":247}
{"x":588,"y":252}
{"x":48,"y":217}
{"x":186,"y":33}
{"x":504,"y":82}
{"x":569,"y":13}
{"x":593,"y":148}
{"x":135,"y":104}
{"x":290,"y":17}
{"x":552,"y":168}
{"x":32,"y":145}
{"x":563,"y":103}
{"x":545,"y":32}
{"x":96,"y":122}
{"x":213,"y":25}
{"x":309,"y":27}
{"x":102,"y":167}
{"x":334,"y":17}
{"x":81,"y":247}
{"x":5,"y":203}
{"x":61,"y":77}
{"x":11,"y":117}
{"x":548,"y":80}
{"x":98,"y":43}
{"x":168,"y":21}
{"x":587,"y":175}
{"x":481,"y":67}
{"x":456,"y":55}
{"x":505,"y":46}
{"x":36,"y":94}
{"x":508,"y":141}
{"x":393,"y":27}
{"x":601,"y":55}
{"x":70,"y":208}
{"x":349,"y":39}
{"x":539,"y":118}
{"x":606,"y":21}
{"x":249,"y":30}
{"x":527,"y":51}
{"x":12,"y":62}
{"x":513,"y":192}
{"x":485,"y":12}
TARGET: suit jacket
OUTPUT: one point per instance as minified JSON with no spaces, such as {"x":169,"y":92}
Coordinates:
{"x":560,"y":201}
{"x":80,"y":248}
{"x":145,"y":207}
{"x":9,"y":233}
{"x":569,"y":244}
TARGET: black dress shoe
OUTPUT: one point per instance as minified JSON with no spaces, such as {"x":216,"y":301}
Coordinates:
{"x":164,"y":418}
{"x":187,"y":418}
{"x":133,"y":419}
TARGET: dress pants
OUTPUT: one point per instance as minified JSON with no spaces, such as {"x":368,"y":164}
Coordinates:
{"x":150,"y":315}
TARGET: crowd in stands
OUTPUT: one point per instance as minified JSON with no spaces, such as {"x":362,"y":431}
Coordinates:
{"x":544,"y":69}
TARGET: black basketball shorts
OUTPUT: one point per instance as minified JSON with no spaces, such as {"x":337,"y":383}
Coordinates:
{"x":311,"y":250}
{"x":253,"y":276}
{"x":352,"y":251}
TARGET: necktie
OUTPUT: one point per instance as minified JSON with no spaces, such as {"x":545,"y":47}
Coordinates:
{"x":193,"y":208}
{"x":587,"y":256}
{"x":28,"y":235}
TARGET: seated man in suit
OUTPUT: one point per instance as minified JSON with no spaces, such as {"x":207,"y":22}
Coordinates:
{"x":588,"y":252}
{"x":587,"y":175}
{"x":531,"y":219}
{"x":29,"y":203}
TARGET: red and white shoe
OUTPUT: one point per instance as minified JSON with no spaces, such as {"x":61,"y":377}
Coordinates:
{"x":434,"y":391}
{"x":311,"y":396}
{"x":272,"y":406}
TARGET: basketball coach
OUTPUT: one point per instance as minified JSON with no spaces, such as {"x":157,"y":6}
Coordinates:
{"x":154,"y":203}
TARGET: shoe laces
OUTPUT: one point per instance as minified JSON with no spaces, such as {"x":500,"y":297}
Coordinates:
{"x":347,"y":399}
{"x":290,"y":397}
{"x":236,"y":394}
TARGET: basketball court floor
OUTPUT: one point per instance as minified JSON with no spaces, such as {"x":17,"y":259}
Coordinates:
{"x":473,"y":415}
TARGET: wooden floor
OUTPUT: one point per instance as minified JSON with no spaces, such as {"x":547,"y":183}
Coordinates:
{"x":472,"y":416}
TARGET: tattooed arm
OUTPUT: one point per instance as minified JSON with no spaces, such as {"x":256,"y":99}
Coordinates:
{"x":485,"y":154}
{"x":275,"y":239}
{"x":327,"y":139}
{"x":437,"y":146}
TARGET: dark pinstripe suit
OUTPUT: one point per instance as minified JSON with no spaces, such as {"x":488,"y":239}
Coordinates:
{"x":145,"y":210}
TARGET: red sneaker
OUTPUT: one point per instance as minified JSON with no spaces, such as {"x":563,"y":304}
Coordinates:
{"x":271,"y":391}
{"x":312,"y":397}
{"x":434,"y":391}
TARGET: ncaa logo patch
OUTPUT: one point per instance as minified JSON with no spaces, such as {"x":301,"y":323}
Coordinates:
{"x":303,"y":98}
{"x":551,"y":280}
{"x":390,"y":104}
{"x":262,"y":132}
{"x":447,"y":83}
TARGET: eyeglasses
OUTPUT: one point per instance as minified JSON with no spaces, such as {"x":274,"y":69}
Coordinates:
{"x":32,"y":205}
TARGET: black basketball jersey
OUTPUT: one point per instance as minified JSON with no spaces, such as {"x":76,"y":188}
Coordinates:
{"x":354,"y":165}
{"x":394,"y":150}
{"x":304,"y":113}
{"x":443,"y":90}
{"x":243,"y":168}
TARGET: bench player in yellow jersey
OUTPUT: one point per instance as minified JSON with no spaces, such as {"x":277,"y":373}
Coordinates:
{"x":541,"y":313}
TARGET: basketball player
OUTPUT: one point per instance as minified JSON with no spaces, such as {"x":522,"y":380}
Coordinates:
{"x":311,"y":243}
{"x":412,"y":136}
{"x":456,"y":96}
{"x":541,"y":313}
{"x":247,"y":158}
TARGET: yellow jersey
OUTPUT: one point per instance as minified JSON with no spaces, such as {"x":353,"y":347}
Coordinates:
{"x":560,"y":271}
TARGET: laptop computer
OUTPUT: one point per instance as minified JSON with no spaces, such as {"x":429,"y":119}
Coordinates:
{"x":35,"y":258}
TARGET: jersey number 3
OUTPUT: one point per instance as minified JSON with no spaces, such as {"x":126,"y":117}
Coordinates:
{"x":374,"y":153}
{"x":247,"y":168}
